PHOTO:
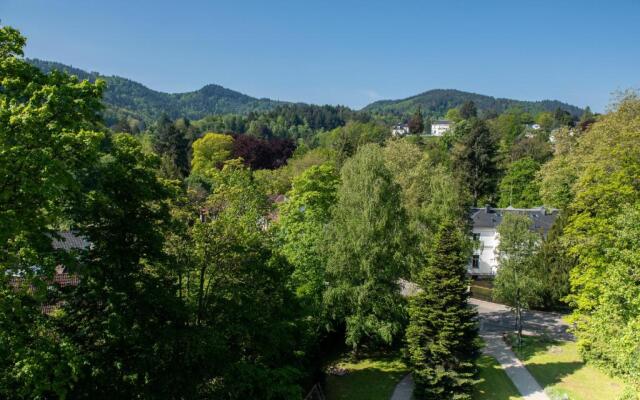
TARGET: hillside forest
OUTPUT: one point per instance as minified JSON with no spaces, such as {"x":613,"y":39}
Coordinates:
{"x":228,"y":253}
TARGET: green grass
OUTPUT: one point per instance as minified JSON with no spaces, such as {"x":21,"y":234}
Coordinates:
{"x":374,"y":378}
{"x":370,"y":378}
{"x":557,"y":366}
{"x":493,"y":383}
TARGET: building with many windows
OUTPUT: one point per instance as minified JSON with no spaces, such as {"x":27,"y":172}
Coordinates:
{"x":484,"y":261}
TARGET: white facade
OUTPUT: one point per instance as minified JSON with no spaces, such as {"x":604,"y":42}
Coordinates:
{"x":484,"y":260}
{"x":438,"y":128}
{"x":400,"y":130}
{"x":486,"y":221}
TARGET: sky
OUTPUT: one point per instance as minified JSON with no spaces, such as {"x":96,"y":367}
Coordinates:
{"x":346,"y":52}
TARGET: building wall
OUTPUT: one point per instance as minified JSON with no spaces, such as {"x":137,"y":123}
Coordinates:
{"x":488,"y":262}
{"x":439,"y":129}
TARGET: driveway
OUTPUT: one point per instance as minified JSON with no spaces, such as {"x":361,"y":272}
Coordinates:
{"x":497,"y":318}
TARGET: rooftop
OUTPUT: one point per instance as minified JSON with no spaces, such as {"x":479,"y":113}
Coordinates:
{"x":488,"y":217}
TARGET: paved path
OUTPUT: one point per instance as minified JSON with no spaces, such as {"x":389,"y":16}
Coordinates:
{"x":498,"y":318}
{"x":404,"y":389}
{"x":516,"y":371}
{"x":495,"y":319}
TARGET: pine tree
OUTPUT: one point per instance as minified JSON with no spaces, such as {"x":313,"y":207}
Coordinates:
{"x":468,"y":110}
{"x":474,"y":159}
{"x":416,"y":124}
{"x":442,"y":333}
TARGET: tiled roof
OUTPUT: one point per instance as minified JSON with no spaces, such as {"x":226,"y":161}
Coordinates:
{"x":541,"y":220}
{"x":68,"y":240}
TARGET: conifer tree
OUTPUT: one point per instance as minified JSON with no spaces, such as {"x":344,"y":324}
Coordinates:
{"x":416,"y":124}
{"x":442,"y":333}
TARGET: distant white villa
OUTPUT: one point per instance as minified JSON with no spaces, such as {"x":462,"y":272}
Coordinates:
{"x":400,"y":130}
{"x":484,"y":261}
{"x":438,"y":128}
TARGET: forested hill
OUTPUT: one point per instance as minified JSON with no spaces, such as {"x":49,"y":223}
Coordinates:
{"x":126,"y":98}
{"x":436,"y":102}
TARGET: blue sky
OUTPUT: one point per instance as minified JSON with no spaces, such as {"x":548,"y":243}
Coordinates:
{"x":346,"y":52}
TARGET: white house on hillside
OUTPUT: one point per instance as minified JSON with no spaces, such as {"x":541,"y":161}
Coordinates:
{"x":400,"y":130}
{"x":438,"y":128}
{"x":484,"y":261}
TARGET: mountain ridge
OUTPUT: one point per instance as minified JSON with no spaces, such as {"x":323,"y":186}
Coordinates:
{"x":436,"y":102}
{"x":125,"y":98}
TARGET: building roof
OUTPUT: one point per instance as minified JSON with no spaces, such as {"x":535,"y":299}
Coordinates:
{"x":68,"y":241}
{"x":442,"y":122}
{"x":487,"y":217}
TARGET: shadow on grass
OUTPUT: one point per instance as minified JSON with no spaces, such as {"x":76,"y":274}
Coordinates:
{"x":372,"y":376}
{"x":493,"y":383}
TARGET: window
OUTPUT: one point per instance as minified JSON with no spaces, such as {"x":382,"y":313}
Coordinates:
{"x":475,"y":262}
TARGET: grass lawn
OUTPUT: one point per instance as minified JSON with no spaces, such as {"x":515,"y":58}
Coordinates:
{"x":557,"y":366}
{"x":374,"y":378}
{"x":493,"y":382}
{"x":371,"y":378}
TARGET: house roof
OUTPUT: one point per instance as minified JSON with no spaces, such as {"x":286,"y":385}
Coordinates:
{"x":442,"y":122}
{"x":68,"y":240}
{"x":487,"y":217}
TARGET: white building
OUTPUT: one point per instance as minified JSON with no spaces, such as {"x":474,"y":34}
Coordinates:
{"x":400,"y":130}
{"x":484,"y":261}
{"x":438,"y":128}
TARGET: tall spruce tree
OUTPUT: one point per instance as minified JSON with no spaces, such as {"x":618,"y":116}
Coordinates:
{"x":474,"y":159}
{"x":416,"y":124}
{"x":171,"y":141}
{"x":442,"y":333}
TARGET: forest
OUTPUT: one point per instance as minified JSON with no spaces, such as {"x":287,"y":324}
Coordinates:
{"x":228,"y":252}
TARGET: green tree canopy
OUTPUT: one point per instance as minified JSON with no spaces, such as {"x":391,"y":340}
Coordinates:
{"x":210,"y":152}
{"x":519,"y":188}
{"x":365,"y":259}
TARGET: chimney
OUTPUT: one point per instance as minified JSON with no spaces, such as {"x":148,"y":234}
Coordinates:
{"x":487,"y":208}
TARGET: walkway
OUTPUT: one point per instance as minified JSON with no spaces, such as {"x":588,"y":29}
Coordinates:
{"x":404,"y":389}
{"x":495,"y":319}
{"x":516,"y":371}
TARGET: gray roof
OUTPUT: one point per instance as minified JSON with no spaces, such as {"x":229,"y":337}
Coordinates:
{"x":487,"y":217}
{"x":442,"y":122}
{"x":68,"y":240}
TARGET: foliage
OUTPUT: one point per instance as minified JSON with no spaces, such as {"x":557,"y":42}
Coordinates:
{"x":416,"y":123}
{"x":474,"y":159}
{"x":516,"y":284}
{"x":262,"y":154}
{"x":236,"y":288}
{"x":278,"y":181}
{"x":468,"y":110}
{"x":430,"y":194}
{"x":518,"y":187}
{"x":172,"y":141}
{"x":302,"y":227}
{"x":435,"y":103}
{"x":365,"y":254}
{"x":126,"y":98}
{"x":442,"y":333}
{"x":346,"y":140}
{"x":210,"y":152}
{"x":49,"y":141}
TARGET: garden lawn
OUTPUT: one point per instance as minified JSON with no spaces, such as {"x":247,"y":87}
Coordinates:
{"x":493,"y":383}
{"x":371,"y":378}
{"x":558,"y":368}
